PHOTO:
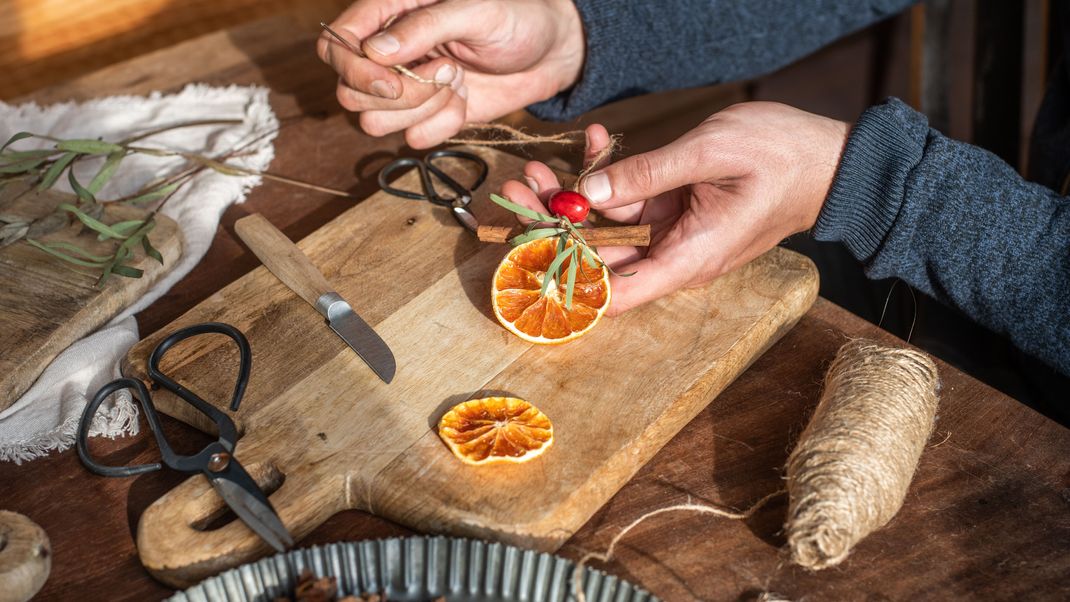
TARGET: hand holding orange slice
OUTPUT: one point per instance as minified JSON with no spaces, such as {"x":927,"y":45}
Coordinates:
{"x":520,"y":307}
{"x":495,"y":430}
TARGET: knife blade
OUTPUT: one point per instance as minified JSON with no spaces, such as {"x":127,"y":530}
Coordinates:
{"x":283,"y":259}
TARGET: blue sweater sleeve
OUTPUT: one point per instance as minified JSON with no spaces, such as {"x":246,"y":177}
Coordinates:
{"x":957,"y":223}
{"x":640,"y":46}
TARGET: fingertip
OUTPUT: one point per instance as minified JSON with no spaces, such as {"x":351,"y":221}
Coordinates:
{"x":346,"y":97}
{"x":418,"y":140}
{"x":521,"y":194}
{"x":543,"y":176}
{"x":597,"y":137}
{"x":323,"y":46}
{"x":438,"y":127}
{"x":372,"y":125}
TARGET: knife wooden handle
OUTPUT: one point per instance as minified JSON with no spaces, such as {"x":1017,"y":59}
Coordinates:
{"x":282,"y":257}
{"x":613,"y":236}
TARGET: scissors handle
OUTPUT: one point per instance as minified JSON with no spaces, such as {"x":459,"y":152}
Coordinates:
{"x":462,"y":196}
{"x":228,"y":432}
{"x":106,"y":391}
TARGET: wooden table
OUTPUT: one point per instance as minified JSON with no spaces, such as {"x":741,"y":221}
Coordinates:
{"x":988,"y":514}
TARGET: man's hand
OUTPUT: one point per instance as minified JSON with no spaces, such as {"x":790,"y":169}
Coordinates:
{"x":497,"y":56}
{"x":716,"y":198}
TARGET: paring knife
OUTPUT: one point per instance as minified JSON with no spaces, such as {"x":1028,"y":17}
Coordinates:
{"x":282,"y":257}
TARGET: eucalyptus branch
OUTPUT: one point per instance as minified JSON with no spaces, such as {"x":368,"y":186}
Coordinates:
{"x":42,"y":168}
{"x":572,"y":247}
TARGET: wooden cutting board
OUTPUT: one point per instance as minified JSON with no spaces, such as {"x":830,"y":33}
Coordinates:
{"x":46,"y":304}
{"x":324,"y":430}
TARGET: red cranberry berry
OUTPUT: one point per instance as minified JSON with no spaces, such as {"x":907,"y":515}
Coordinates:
{"x":569,"y":204}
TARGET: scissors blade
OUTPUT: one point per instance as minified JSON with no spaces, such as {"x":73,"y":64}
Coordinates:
{"x":358,"y":335}
{"x":245,"y":498}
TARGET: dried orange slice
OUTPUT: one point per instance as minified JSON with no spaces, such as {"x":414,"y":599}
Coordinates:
{"x":496,"y":429}
{"x":519,"y":306}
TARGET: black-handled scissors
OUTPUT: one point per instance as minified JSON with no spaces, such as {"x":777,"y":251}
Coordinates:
{"x":216,"y":461}
{"x":462,"y":196}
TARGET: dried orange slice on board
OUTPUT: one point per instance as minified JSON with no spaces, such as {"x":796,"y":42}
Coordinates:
{"x":520,"y":307}
{"x":496,"y":429}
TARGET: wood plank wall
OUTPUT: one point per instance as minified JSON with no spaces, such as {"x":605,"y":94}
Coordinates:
{"x":43,"y":42}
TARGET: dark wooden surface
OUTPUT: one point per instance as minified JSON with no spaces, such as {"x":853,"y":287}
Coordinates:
{"x":988,"y":515}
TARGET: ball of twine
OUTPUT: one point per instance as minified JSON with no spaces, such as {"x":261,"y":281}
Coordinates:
{"x":849,"y":473}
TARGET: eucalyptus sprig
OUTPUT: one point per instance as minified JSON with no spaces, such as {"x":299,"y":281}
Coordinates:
{"x":571,"y":246}
{"x":40,"y":169}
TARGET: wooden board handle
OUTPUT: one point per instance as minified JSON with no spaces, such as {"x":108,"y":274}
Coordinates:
{"x":615,"y":236}
{"x":282,"y":257}
{"x":176,"y":548}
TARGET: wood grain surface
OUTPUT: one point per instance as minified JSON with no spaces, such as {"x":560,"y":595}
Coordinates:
{"x":984,"y":519}
{"x":46,"y":304}
{"x":337,"y":438}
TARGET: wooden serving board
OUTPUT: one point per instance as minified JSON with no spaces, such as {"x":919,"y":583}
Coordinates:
{"x":46,"y":304}
{"x":321,"y":424}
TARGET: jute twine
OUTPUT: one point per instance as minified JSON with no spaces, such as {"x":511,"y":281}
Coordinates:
{"x":500,"y":134}
{"x":577,"y":571}
{"x":850,"y":471}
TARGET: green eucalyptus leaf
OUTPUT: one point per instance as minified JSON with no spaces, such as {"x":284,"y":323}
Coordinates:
{"x":10,"y":156}
{"x":106,"y":171}
{"x":88,"y":147}
{"x":534,"y":234}
{"x":55,"y":170}
{"x":16,"y":138}
{"x":589,"y":256}
{"x":520,"y":209}
{"x":124,"y":228}
{"x":555,"y":268}
{"x":151,"y":250}
{"x":224,"y":169}
{"x":92,"y":223}
{"x":21,"y":166}
{"x":574,"y":231}
{"x":65,"y":257}
{"x":570,"y":284}
{"x":154,"y":195}
{"x":128,"y":271}
{"x":83,"y":195}
{"x":76,"y":250}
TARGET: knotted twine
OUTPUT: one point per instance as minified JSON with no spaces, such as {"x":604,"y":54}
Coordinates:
{"x":849,"y":472}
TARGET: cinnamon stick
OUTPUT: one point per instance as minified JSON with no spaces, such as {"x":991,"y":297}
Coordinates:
{"x":615,"y":236}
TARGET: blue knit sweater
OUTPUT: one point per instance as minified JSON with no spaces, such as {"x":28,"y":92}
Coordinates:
{"x":950,"y":219}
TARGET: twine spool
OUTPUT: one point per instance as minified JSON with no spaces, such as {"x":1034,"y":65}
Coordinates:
{"x":850,"y":471}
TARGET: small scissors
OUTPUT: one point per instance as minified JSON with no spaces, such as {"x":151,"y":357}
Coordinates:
{"x":216,"y":461}
{"x":458,"y":203}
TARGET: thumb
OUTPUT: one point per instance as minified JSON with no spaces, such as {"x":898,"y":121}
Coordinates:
{"x":417,"y":33}
{"x":642,"y":176}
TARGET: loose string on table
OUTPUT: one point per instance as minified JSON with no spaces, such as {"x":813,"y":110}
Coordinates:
{"x":577,"y":571}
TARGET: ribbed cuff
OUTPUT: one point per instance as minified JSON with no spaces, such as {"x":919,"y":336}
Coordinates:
{"x":884,"y":146}
{"x":606,"y":29}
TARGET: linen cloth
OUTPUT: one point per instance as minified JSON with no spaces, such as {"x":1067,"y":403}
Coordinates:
{"x":46,"y":417}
